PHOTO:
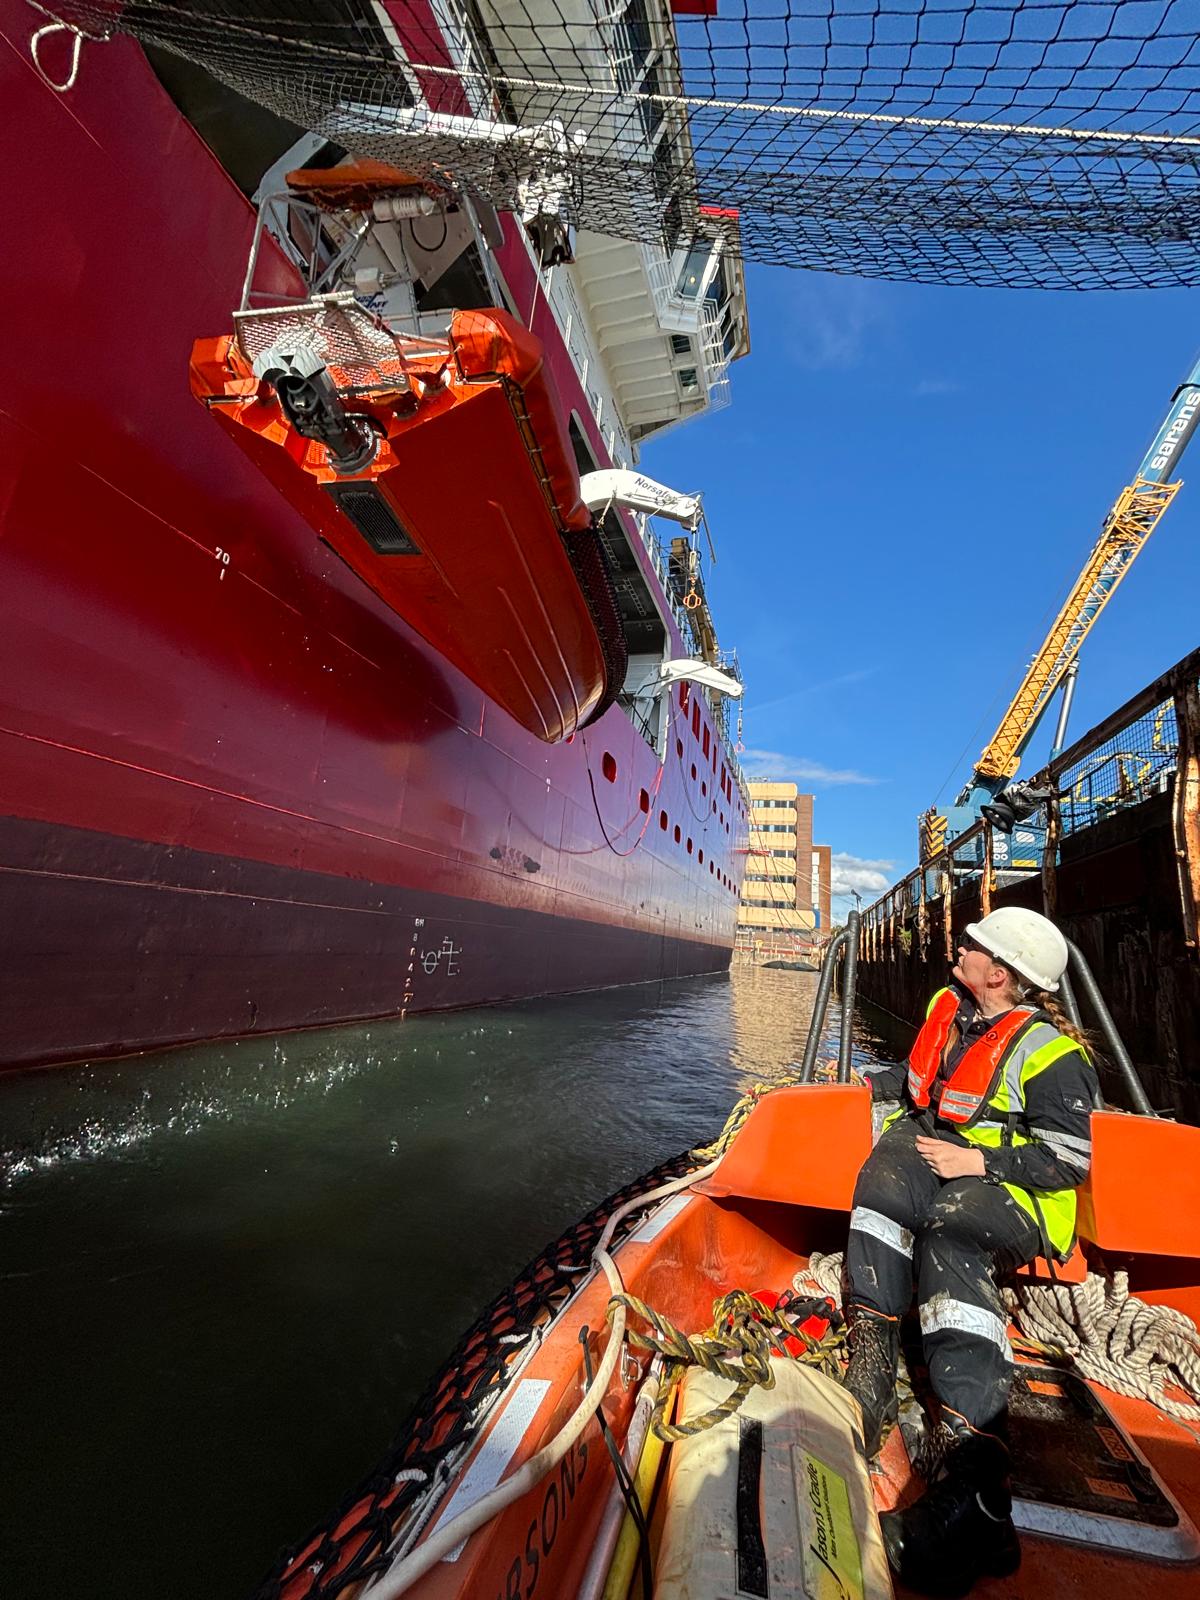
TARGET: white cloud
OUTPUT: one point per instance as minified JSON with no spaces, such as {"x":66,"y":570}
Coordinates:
{"x":798,"y":769}
{"x":849,"y":872}
{"x":834,"y":320}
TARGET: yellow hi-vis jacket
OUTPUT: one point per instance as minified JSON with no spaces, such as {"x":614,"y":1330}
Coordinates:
{"x":1003,"y":1120}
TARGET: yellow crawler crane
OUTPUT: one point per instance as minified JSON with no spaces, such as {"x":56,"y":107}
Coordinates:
{"x":1129,"y":524}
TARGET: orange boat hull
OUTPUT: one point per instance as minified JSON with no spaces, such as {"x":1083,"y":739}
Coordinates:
{"x":780,"y":1194}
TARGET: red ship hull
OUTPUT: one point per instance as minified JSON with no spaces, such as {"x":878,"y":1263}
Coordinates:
{"x":237,"y":794}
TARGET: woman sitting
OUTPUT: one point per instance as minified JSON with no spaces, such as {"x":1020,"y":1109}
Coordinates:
{"x":973,"y":1176}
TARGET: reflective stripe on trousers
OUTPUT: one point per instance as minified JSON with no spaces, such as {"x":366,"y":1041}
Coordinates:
{"x":960,"y":1237}
{"x":942,"y":1315}
{"x":864,"y":1220}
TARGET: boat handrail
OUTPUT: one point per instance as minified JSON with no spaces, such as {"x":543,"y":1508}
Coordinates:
{"x":1120,"y":1056}
{"x":844,"y":944}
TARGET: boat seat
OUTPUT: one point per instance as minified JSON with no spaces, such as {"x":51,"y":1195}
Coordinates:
{"x":801,"y":1146}
{"x":1142,"y":1195}
{"x":804,"y":1145}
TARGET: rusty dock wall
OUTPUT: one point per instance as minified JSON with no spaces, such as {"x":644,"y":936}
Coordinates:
{"x":1119,"y":872}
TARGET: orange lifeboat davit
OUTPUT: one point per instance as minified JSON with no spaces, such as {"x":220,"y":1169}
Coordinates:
{"x":441,"y":473}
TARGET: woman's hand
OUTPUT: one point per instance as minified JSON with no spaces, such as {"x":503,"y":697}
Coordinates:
{"x":950,"y":1160}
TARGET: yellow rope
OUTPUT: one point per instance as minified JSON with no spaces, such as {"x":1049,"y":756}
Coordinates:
{"x":737,"y":1347}
{"x":736,"y":1119}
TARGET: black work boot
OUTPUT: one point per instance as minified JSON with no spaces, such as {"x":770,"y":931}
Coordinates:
{"x":874,"y":1342}
{"x":961,"y":1529}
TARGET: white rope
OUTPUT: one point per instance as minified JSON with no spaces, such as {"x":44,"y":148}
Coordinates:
{"x":696,"y":103}
{"x":78,"y":35}
{"x":405,"y":1572}
{"x":815,"y":113}
{"x":76,"y":50}
{"x":1115,"y":1339}
{"x":823,"y":1273}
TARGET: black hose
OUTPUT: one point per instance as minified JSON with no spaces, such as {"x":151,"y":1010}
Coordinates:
{"x":624,"y":1481}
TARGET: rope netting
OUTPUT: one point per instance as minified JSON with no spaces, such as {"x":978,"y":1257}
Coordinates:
{"x":1008,"y":142}
{"x":360,"y":1538}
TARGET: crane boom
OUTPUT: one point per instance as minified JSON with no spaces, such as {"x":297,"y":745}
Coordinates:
{"x":633,"y":491}
{"x":1130,"y":523}
{"x":1137,"y":512}
{"x":1132,"y":520}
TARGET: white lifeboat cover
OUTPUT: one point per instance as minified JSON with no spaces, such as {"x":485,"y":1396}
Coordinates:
{"x":773,"y":1502}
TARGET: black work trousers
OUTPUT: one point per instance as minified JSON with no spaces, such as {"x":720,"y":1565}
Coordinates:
{"x":958,"y":1237}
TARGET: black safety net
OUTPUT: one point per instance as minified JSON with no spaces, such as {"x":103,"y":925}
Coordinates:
{"x":1008,"y":142}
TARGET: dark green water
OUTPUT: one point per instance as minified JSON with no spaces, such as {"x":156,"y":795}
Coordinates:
{"x":227,"y":1272}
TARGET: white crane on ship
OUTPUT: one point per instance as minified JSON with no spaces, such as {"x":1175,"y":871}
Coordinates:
{"x":633,"y":491}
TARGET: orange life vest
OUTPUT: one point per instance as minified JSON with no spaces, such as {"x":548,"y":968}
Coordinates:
{"x":972,"y":1083}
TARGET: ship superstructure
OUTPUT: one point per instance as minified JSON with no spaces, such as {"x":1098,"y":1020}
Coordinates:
{"x":247,"y":787}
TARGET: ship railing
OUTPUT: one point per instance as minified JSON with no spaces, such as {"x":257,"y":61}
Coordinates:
{"x":714,"y":358}
{"x":641,"y":59}
{"x":660,"y":562}
{"x":699,"y":318}
{"x":728,"y":662}
{"x":631,"y":64}
{"x":321,"y":247}
{"x":467,"y":48}
{"x":674,"y":312}
{"x":572,"y":322}
{"x":1146,"y":750}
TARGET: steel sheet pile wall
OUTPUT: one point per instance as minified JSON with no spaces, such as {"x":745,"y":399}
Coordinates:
{"x":1120,"y":873}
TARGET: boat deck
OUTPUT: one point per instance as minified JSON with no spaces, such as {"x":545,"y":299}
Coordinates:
{"x":762,"y":1247}
{"x":1063,"y":1566}
{"x":1085,"y":1461}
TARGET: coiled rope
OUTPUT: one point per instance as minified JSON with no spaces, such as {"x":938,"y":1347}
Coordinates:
{"x":1114,"y":1339}
{"x":738,"y":1347}
{"x":823,"y":1274}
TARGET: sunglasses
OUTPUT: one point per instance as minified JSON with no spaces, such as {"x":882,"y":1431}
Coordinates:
{"x":967,"y":943}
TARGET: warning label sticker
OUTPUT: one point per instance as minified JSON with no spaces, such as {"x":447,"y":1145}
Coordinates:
{"x":1114,"y":1444}
{"x":832,"y":1559}
{"x":1111,"y":1491}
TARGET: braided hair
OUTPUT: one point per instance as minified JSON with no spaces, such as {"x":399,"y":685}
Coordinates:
{"x":1025,"y":993}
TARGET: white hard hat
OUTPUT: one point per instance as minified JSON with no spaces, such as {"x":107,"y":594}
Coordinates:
{"x":1025,"y":941}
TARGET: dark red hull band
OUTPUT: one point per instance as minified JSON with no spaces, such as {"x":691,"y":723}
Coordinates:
{"x":102,"y":934}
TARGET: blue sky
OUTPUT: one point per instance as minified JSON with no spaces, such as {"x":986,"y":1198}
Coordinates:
{"x":906,"y":484}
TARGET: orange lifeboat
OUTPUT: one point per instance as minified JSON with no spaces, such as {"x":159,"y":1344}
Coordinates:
{"x":502,"y":1486}
{"x":441,"y":473}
